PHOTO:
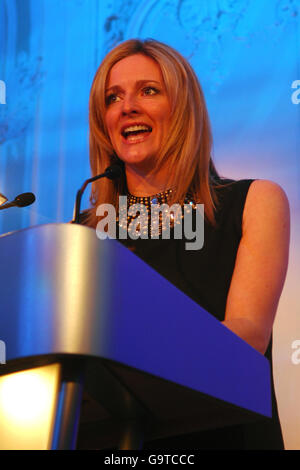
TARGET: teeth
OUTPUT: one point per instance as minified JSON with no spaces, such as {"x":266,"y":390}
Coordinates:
{"x":137,"y":128}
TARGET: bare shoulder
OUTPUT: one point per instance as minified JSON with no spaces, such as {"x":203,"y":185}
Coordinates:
{"x":266,"y":203}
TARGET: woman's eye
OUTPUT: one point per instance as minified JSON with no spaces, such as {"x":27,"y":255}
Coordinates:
{"x":150,"y":90}
{"x":112,"y":98}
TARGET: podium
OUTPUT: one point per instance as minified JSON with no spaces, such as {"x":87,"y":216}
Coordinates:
{"x":130,"y":357}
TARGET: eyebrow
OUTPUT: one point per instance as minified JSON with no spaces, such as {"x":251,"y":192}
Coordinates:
{"x":138,"y":83}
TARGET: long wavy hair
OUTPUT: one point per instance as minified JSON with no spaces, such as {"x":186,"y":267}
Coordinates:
{"x":187,"y":148}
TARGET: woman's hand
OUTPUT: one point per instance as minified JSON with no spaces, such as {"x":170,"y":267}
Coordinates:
{"x":261,"y":264}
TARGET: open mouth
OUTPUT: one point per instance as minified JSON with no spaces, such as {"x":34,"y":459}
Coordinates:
{"x":131,"y":132}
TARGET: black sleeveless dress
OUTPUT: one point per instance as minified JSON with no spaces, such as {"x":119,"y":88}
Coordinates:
{"x":205,"y":276}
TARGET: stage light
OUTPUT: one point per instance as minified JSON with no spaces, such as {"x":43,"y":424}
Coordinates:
{"x":3,"y":199}
{"x":27,"y":404}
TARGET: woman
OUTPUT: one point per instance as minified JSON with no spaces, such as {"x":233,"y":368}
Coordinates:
{"x":147,"y":112}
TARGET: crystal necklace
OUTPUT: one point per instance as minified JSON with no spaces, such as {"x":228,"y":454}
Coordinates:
{"x":159,"y":224}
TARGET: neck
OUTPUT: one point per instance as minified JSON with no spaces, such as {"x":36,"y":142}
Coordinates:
{"x":143,"y":184}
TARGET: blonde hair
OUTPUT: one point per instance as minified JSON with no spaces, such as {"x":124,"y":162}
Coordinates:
{"x":188,"y":146}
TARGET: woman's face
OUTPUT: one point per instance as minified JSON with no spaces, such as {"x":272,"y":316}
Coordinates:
{"x":137,"y":110}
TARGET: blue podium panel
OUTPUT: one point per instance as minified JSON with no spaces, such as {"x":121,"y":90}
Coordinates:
{"x":65,"y":292}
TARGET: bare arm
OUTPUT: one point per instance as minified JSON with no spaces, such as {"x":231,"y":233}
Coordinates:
{"x":261,"y":265}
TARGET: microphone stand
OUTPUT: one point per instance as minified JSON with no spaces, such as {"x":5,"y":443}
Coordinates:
{"x":112,"y":172}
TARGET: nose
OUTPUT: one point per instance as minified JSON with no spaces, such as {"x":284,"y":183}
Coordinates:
{"x":130,"y":105}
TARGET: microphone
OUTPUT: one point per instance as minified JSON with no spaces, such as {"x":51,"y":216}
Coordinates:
{"x":22,"y":200}
{"x":112,"y":172}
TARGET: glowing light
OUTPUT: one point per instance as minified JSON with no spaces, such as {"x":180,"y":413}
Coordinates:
{"x":3,"y":199}
{"x":27,"y":401}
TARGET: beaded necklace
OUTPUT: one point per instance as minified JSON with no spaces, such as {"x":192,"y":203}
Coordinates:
{"x":159,"y":225}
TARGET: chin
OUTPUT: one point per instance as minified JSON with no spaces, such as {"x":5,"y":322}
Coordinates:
{"x":137,"y":160}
